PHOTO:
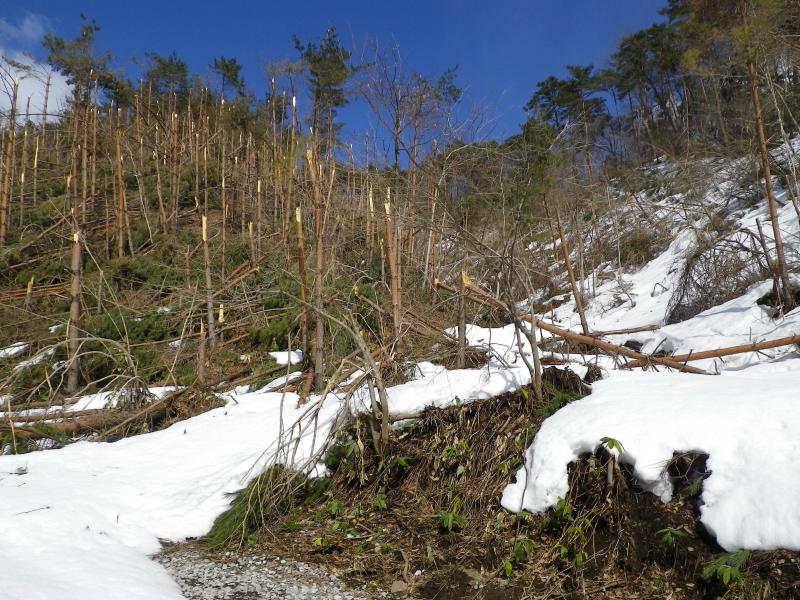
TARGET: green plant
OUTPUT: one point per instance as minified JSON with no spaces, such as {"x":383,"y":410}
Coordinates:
{"x":456,"y":452}
{"x":558,"y":400}
{"x":576,"y":559}
{"x":290,"y":525}
{"x":334,"y":507}
{"x":321,"y":542}
{"x":558,"y":518}
{"x":669,"y":535}
{"x":612,"y":445}
{"x":338,"y":526}
{"x":727,"y":568}
{"x":450,"y":519}
{"x":506,"y":467}
{"x":269,"y":496}
{"x":394,"y":464}
{"x":521,"y":550}
{"x":386,"y":548}
{"x":380,"y":502}
{"x":573,"y":547}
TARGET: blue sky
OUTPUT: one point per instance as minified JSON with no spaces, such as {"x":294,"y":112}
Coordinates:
{"x":502,"y":48}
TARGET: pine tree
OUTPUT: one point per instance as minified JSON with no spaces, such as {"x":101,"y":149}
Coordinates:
{"x":328,"y":68}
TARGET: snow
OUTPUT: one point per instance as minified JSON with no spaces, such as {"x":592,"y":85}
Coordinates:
{"x":93,"y":512}
{"x":747,"y":419}
{"x":739,"y":321}
{"x":639,"y":299}
{"x":37,"y":358}
{"x":748,"y":423}
{"x":292,"y":357}
{"x":13,"y":350}
{"x":84,"y":518}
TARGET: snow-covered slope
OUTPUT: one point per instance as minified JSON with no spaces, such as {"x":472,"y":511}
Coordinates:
{"x":747,"y":419}
{"x":79,"y":522}
{"x":748,"y":423}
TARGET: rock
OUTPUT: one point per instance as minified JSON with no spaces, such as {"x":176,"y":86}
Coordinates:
{"x":399,"y":587}
{"x":235,"y":577}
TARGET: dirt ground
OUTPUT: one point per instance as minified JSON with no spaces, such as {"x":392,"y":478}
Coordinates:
{"x":425,"y":522}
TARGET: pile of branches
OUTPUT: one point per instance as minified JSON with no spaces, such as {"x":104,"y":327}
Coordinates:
{"x":715,"y":272}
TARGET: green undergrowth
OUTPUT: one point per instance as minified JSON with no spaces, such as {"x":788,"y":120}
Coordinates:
{"x":266,"y":498}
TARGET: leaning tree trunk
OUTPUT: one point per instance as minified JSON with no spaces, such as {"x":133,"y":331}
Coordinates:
{"x":781,"y":270}
{"x":571,"y":275}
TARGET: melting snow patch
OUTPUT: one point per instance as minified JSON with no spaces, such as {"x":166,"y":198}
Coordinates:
{"x":35,"y":360}
{"x":748,"y":424}
{"x":13,"y":350}
{"x":292,"y":357}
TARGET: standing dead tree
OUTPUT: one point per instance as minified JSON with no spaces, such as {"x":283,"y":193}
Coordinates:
{"x":780,"y":267}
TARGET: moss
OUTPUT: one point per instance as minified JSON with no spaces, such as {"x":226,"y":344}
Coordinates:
{"x":270,"y":495}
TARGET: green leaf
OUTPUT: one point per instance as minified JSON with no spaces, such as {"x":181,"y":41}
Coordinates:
{"x":612,"y":444}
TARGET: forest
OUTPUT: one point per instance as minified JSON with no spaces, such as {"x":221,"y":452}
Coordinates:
{"x":249,"y":351}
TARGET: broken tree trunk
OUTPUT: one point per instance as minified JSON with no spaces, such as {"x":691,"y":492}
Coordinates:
{"x":577,"y":337}
{"x":73,"y":335}
{"x":575,"y":292}
{"x":212,"y":338}
{"x":393,"y":274}
{"x":720,"y":352}
{"x":781,"y":270}
{"x":301,"y":267}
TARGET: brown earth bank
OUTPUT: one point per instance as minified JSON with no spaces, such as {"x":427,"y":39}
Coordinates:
{"x":424,"y":521}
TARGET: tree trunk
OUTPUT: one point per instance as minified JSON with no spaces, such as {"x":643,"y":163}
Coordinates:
{"x":122,"y":205}
{"x":73,"y":334}
{"x":301,"y":267}
{"x":5,"y":186}
{"x":575,"y":293}
{"x":174,"y":176}
{"x":212,"y":339}
{"x":391,"y":258}
{"x":780,"y":266}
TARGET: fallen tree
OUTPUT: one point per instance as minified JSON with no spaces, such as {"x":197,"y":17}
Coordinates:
{"x":729,"y":351}
{"x":479,"y":295}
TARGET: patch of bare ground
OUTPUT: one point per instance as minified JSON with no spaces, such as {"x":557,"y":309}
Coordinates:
{"x":424,"y":521}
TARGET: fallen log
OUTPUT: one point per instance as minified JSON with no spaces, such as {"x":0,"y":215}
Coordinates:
{"x":55,"y":416}
{"x":731,"y":350}
{"x":41,"y":290}
{"x":572,"y":336}
{"x":71,"y":428}
{"x":628,"y":330}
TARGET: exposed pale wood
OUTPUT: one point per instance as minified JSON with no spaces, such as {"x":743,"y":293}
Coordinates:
{"x":720,"y":352}
{"x":614,"y":349}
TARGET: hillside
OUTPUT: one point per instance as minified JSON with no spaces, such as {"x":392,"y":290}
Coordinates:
{"x":245,"y":354}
